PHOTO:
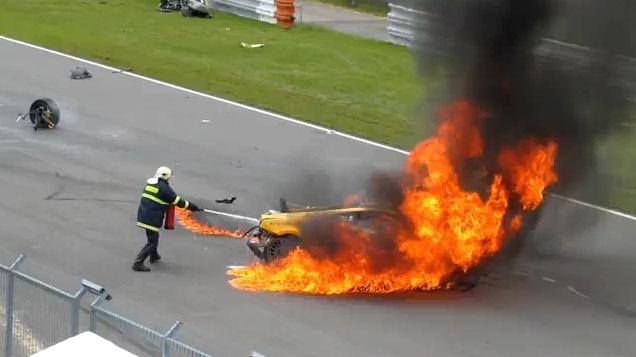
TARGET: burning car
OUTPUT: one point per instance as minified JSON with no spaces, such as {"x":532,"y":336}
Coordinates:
{"x":278,"y":232}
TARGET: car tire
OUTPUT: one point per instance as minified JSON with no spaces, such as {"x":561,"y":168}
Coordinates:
{"x":279,"y":247}
{"x":272,"y":251}
{"x":44,"y":103}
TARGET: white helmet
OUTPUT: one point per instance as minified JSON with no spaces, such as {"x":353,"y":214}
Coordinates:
{"x":164,"y":173}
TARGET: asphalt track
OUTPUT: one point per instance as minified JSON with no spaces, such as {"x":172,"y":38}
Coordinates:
{"x":68,"y":200}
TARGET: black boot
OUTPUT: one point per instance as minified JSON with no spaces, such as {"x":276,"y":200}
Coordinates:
{"x":140,"y":267}
{"x":155,"y":258}
{"x":139,"y":262}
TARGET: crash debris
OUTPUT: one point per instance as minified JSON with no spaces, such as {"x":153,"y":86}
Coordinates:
{"x":80,"y":73}
{"x":226,"y":201}
{"x":255,"y":45}
{"x":43,"y":114}
{"x":188,"y":8}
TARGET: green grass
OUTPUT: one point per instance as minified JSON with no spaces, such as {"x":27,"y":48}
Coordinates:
{"x":617,"y":155}
{"x":373,"y":7}
{"x":353,"y":84}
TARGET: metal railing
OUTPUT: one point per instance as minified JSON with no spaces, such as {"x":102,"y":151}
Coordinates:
{"x":261,"y":10}
{"x":165,"y":342}
{"x":403,"y":23}
{"x":37,"y":315}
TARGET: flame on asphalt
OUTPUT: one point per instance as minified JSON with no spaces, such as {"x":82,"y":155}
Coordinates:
{"x":189,"y":221}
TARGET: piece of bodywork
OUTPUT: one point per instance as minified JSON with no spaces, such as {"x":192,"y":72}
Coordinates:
{"x":80,"y":73}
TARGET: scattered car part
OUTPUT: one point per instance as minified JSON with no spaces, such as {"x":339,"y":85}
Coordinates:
{"x":226,"y":201}
{"x":196,"y":8}
{"x":43,"y":113}
{"x":80,"y":73}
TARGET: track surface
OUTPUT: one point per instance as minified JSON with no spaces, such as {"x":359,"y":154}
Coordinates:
{"x":116,"y":130}
{"x":344,"y":20}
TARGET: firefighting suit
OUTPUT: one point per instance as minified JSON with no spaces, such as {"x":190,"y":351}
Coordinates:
{"x":155,"y":199}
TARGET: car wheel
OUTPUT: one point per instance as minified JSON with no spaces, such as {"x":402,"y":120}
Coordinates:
{"x":272,"y":251}
{"x":44,"y":106}
{"x":281,"y":246}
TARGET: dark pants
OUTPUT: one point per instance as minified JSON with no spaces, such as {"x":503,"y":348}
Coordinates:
{"x":150,"y":249}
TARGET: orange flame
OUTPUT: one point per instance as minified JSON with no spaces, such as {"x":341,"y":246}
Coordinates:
{"x":529,"y":167}
{"x":189,"y":222}
{"x":449,"y":230}
{"x":515,"y":224}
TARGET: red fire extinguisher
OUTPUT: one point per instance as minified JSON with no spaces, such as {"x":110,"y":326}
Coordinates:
{"x":169,"y":221}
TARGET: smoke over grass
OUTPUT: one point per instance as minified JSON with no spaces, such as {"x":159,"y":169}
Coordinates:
{"x":494,"y":54}
{"x":502,"y":54}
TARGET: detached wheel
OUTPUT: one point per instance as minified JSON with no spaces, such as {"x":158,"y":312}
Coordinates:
{"x":44,"y":113}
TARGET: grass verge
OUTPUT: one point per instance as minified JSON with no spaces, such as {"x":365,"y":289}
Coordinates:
{"x":350,"y":83}
{"x":617,"y":168}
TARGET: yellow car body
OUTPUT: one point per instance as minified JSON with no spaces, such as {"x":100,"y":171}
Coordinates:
{"x":277,"y":229}
{"x":290,"y":223}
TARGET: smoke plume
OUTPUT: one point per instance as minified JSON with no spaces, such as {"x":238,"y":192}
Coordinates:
{"x":498,"y":54}
{"x":536,"y":68}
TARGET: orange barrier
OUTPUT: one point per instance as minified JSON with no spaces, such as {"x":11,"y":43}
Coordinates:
{"x":284,"y":13}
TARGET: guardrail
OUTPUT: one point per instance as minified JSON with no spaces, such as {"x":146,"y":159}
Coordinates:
{"x":403,"y":24}
{"x":38,"y":315}
{"x":272,"y":11}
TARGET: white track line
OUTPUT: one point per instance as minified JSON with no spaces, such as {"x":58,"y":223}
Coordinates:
{"x":549,"y":280}
{"x":265,"y":112}
{"x":578,"y":293}
{"x":621,"y":214}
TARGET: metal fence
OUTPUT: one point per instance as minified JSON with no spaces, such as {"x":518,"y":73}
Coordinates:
{"x":261,"y":10}
{"x":403,"y":24}
{"x":36,"y":315}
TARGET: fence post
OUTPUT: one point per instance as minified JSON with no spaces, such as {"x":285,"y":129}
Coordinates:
{"x":93,"y":313}
{"x":75,"y":305}
{"x":8,"y":337}
{"x":164,"y":341}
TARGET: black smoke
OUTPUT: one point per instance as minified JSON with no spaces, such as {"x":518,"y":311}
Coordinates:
{"x":535,"y":68}
{"x":551,"y":69}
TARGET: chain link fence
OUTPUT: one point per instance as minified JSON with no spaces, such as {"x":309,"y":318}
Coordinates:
{"x":35,"y":315}
{"x":3,"y":314}
{"x":39,"y":320}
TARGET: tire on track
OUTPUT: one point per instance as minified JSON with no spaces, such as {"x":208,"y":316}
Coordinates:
{"x":44,"y":104}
